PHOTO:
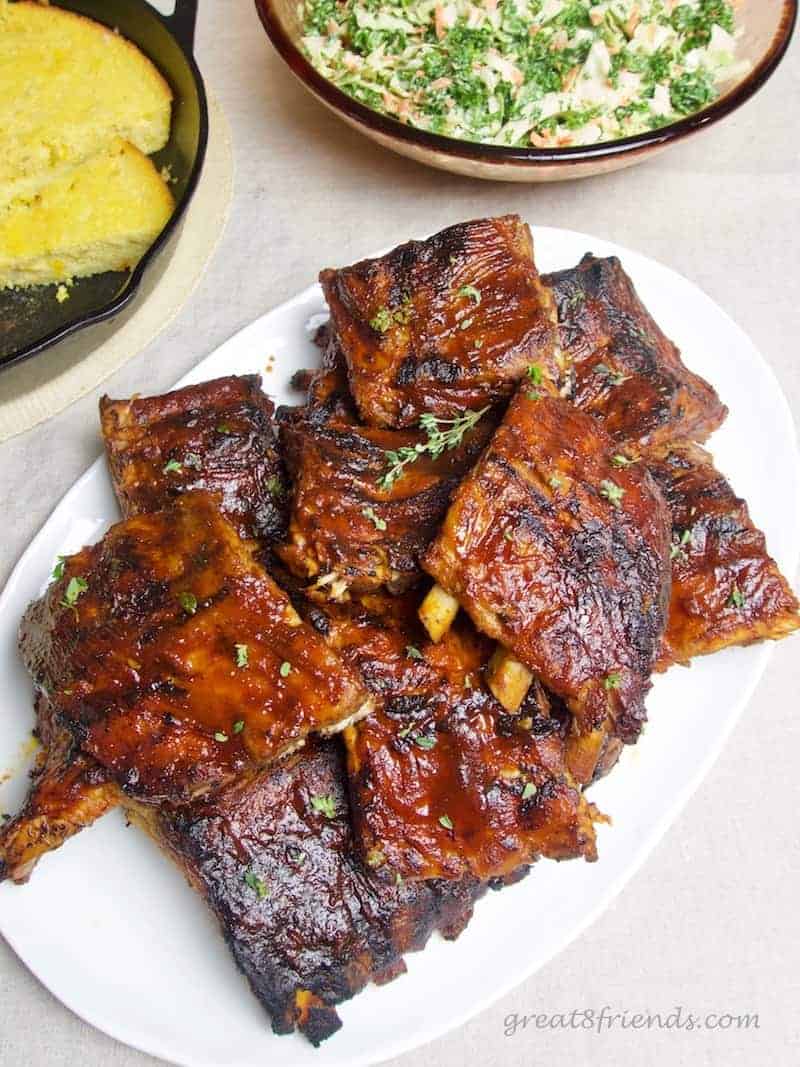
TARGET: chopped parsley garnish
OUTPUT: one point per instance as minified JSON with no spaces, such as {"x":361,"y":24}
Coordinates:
{"x":426,"y":741}
{"x":188,"y":601}
{"x":58,"y":570}
{"x":535,"y":373}
{"x":375,"y":858}
{"x":446,"y":822}
{"x":620,"y":460}
{"x":224,"y":427}
{"x":613,"y":377}
{"x":612,"y":492}
{"x":325,"y":804}
{"x":612,"y":681}
{"x":242,"y":655}
{"x":555,"y":482}
{"x":471,"y":293}
{"x":238,"y":726}
{"x":173,"y":467}
{"x":286,"y":669}
{"x":678,"y":546}
{"x":258,"y":885}
{"x":413,"y":652}
{"x":736,"y":599}
{"x":442,"y":434}
{"x":76,"y":587}
{"x":547,"y":73}
{"x":529,"y":791}
{"x":376,"y":520}
{"x":220,"y":736}
{"x":384,"y":318}
{"x":275,"y":487}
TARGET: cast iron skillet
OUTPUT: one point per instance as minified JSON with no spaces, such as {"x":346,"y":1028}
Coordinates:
{"x":32,"y":320}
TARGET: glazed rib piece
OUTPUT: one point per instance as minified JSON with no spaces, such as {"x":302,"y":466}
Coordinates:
{"x":563,"y":557}
{"x":442,"y":325}
{"x":348,"y":529}
{"x":176,"y":661}
{"x":623,"y":368}
{"x":443,"y":782}
{"x":216,"y":436}
{"x":307,"y":923}
{"x":726,"y":589}
{"x":69,"y":791}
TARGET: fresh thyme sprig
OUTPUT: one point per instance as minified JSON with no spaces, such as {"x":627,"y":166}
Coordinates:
{"x":442,"y":434}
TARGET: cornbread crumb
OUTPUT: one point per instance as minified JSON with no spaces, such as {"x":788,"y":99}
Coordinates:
{"x":62,"y":294}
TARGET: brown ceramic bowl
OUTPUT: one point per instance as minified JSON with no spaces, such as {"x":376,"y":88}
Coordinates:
{"x":768,"y":27}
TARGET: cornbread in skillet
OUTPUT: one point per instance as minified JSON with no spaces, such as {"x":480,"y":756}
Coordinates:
{"x":101,"y":216}
{"x":68,"y":86}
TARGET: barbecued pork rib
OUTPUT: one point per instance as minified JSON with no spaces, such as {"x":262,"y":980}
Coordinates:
{"x":348,"y":530}
{"x":217,"y":436}
{"x":306,"y":922}
{"x":726,"y":589}
{"x":69,"y":791}
{"x":563,"y":557}
{"x":443,"y":782}
{"x":623,"y":368}
{"x":176,"y":661}
{"x":443,"y":325}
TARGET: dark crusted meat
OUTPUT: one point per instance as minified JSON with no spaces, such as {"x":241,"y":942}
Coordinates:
{"x":307,"y":923}
{"x":442,"y":325}
{"x":726,"y":589}
{"x":176,"y":661}
{"x":69,"y":791}
{"x":348,"y":530}
{"x":443,"y":781}
{"x":217,"y":436}
{"x":623,"y":369}
{"x":563,"y":557}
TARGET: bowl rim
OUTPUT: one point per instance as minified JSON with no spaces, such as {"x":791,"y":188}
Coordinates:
{"x":130,"y":290}
{"x":475,"y":151}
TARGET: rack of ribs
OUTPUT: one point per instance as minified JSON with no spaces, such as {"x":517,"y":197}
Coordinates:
{"x":561,"y":554}
{"x":622,"y":368}
{"x":217,"y":436}
{"x":726,"y":588}
{"x":176,"y":661}
{"x":444,"y":783}
{"x":307,"y":923}
{"x":348,"y":529}
{"x":443,"y":325}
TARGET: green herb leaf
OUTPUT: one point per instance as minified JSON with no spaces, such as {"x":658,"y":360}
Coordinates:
{"x":619,"y":460}
{"x":613,"y":377}
{"x":471,"y":293}
{"x":58,"y":570}
{"x":325,"y":804}
{"x":220,"y":736}
{"x":375,"y":858}
{"x":612,"y":492}
{"x":737,"y":598}
{"x":426,"y":741}
{"x":258,"y":885}
{"x":188,"y":601}
{"x":286,"y":669}
{"x":376,"y":520}
{"x":612,"y":681}
{"x":678,"y":546}
{"x":413,"y":652}
{"x":529,"y":791}
{"x":76,"y":587}
{"x":238,"y":726}
{"x":535,"y":373}
{"x":173,"y":467}
{"x":442,"y":435}
{"x":446,"y":822}
{"x":224,"y":427}
{"x":275,"y":487}
{"x":242,"y":655}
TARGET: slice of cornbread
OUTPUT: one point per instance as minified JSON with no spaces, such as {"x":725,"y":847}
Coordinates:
{"x":102,"y":215}
{"x":67,"y":86}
